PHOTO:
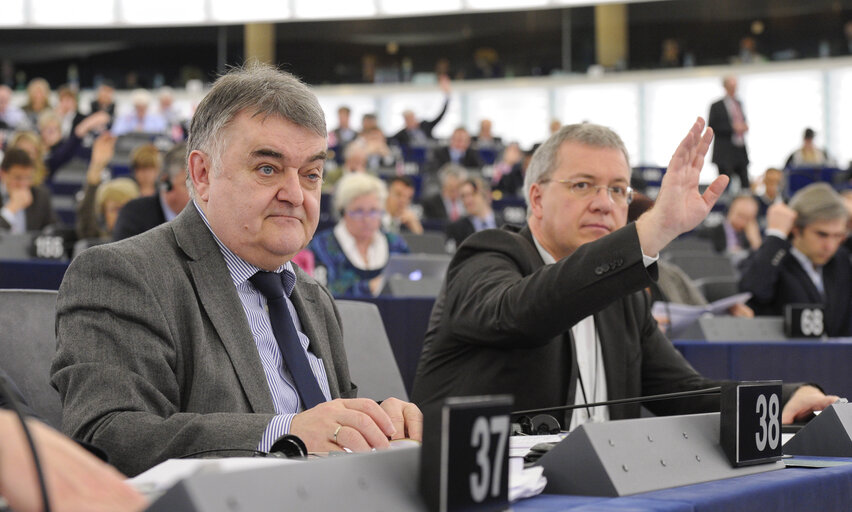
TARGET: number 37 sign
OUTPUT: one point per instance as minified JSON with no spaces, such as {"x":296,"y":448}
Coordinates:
{"x":751,"y":422}
{"x":465,"y":454}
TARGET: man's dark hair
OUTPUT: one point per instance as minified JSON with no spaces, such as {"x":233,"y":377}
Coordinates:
{"x":15,"y":156}
{"x":405,"y":180}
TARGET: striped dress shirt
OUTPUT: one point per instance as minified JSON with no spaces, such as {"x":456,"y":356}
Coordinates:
{"x":285,"y":398}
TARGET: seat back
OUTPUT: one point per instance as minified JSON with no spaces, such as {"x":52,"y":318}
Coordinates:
{"x":699,"y":265}
{"x":372,"y":364}
{"x":27,"y":345}
{"x":715,"y":288}
{"x":426,"y":243}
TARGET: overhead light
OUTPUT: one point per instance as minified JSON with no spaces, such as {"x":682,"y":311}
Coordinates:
{"x":505,"y":4}
{"x":162,"y":12}
{"x":66,"y":13}
{"x":248,"y":10}
{"x":334,"y":9}
{"x":404,"y":7}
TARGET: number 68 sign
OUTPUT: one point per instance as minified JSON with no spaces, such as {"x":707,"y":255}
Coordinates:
{"x":751,"y":422}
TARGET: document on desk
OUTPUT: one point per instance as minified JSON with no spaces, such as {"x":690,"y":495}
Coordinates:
{"x":681,"y":315}
{"x":520,"y":445}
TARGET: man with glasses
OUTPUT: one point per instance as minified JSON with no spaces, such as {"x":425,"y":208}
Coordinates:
{"x":554,"y":313}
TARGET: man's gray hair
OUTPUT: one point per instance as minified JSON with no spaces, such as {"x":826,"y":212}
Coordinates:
{"x":355,"y":185}
{"x":261,"y":90}
{"x":451,"y":170}
{"x":817,"y":202}
{"x":545,"y":160}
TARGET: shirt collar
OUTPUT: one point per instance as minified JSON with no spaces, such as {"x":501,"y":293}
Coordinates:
{"x":240,"y":269}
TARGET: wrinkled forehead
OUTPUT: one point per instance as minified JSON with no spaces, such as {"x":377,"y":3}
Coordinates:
{"x":600,"y":164}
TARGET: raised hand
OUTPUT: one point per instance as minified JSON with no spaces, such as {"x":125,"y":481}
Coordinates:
{"x":680,"y":206}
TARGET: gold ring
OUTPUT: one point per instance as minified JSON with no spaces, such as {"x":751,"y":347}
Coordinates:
{"x":337,"y":431}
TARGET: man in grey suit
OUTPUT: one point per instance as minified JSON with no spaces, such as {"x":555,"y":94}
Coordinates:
{"x":166,"y":347}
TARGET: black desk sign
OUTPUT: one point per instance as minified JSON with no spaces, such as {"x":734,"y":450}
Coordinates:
{"x":464,"y":462}
{"x":804,"y":320}
{"x":750,"y":429}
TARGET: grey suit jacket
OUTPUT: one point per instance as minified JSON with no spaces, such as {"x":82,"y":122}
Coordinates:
{"x":155,"y":358}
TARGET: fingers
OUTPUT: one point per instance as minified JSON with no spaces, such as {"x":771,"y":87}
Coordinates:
{"x":703,"y":147}
{"x":406,"y":418}
{"x":714,"y":191}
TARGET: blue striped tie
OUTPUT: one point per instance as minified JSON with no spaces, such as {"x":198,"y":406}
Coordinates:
{"x":269,"y":284}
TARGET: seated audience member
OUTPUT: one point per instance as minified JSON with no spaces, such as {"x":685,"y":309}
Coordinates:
{"x":355,"y":251}
{"x":32,"y":143}
{"x":809,"y":155}
{"x":38,"y":101}
{"x":194,"y":293}
{"x":146,"y":164}
{"x":673,"y":285}
{"x":368,"y":122}
{"x":354,"y":161}
{"x":379,"y":154}
{"x":486,"y":139}
{"x":447,"y":204}
{"x":476,"y":196}
{"x":144,"y":213}
{"x":23,"y":206}
{"x":67,"y":110}
{"x":170,"y":113}
{"x":343,"y":134}
{"x":458,"y":152}
{"x":101,"y":203}
{"x":802,"y":260}
{"x":76,"y":479}
{"x":60,"y":149}
{"x":140,"y":120}
{"x":11,"y":116}
{"x":739,"y":234}
{"x":417,"y":132}
{"x":104,"y":100}
{"x":767,"y":190}
{"x":508,"y":177}
{"x":399,"y":216}
{"x":555,"y":313}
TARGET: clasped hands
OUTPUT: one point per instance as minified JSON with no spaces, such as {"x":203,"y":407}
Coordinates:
{"x":357,"y":424}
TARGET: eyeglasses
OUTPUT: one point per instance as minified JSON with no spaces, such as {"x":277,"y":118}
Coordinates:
{"x":365,"y":214}
{"x":618,"y":194}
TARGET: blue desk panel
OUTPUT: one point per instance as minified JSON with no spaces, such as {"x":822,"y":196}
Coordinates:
{"x":788,"y":490}
{"x":32,"y":274}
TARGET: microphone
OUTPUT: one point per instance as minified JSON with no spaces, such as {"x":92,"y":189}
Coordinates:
{"x":546,"y":422}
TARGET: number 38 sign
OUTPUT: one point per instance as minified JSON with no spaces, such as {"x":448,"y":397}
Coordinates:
{"x":751,"y":422}
{"x":464,"y":461}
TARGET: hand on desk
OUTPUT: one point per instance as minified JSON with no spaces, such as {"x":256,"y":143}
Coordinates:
{"x":804,"y":401}
{"x":76,"y":480}
{"x":358,"y":424}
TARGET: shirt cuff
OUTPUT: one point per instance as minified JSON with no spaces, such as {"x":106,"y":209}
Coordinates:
{"x":775,"y":232}
{"x":7,"y":215}
{"x":649,"y":260}
{"x":278,"y":426}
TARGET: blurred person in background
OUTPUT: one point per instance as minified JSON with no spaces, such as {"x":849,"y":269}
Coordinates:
{"x":11,"y":116}
{"x":476,"y":196}
{"x":417,"y":132}
{"x":140,"y":120}
{"x":399,"y":216}
{"x":767,"y":190}
{"x":67,"y":109}
{"x":808,"y":155}
{"x":102,"y":202}
{"x":354,"y":253}
{"x":729,"y":126}
{"x":447,"y":204}
{"x":38,"y":100}
{"x":145,"y":166}
{"x":172,"y":195}
{"x":802,"y":260}
{"x":458,"y":152}
{"x":738,"y":235}
{"x":23,"y":205}
{"x":508,"y":176}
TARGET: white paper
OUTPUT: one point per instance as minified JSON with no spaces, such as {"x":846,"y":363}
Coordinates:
{"x":681,"y":315}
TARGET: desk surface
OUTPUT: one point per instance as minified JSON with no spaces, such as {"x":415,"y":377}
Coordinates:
{"x":791,"y":489}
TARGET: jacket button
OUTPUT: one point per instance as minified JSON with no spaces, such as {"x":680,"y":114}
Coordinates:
{"x":599,"y":271}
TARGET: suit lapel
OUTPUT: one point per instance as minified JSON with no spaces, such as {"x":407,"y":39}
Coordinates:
{"x":609,"y":322}
{"x":218,"y":297}
{"x":304,"y":298}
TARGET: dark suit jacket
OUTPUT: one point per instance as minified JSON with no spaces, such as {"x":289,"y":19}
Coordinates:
{"x":138,"y":216}
{"x":725,"y":154}
{"x":775,"y":278}
{"x":463,"y":228}
{"x":39,"y":214}
{"x":471,"y":158}
{"x":502,"y":325}
{"x":403,"y":138}
{"x":716,"y":234}
{"x":433,"y":207}
{"x":155,"y":358}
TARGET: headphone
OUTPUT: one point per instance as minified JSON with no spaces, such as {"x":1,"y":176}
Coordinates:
{"x":166,"y":182}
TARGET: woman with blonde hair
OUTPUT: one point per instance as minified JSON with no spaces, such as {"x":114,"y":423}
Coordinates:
{"x":38,"y":100}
